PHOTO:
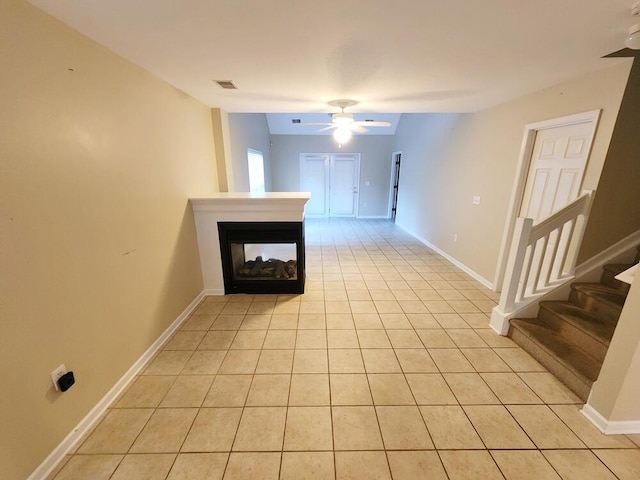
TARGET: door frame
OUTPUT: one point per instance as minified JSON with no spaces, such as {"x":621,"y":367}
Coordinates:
{"x":392,"y":181}
{"x":522,"y":171}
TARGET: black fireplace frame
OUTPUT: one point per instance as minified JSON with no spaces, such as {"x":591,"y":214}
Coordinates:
{"x":261,"y":232}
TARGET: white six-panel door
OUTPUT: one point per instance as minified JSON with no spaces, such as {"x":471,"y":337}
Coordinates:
{"x":549,"y":173}
{"x":558,"y":163}
{"x":333,"y":181}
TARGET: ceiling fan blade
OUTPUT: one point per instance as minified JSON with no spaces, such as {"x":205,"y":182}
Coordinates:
{"x":316,"y":124}
{"x":373,"y":124}
{"x":355,"y":127}
{"x":329,"y":127}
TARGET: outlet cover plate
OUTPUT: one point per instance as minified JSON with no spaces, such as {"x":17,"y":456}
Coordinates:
{"x":56,"y":374}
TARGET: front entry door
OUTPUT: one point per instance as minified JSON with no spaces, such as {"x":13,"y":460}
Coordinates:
{"x":333,"y":181}
{"x":343,"y":188}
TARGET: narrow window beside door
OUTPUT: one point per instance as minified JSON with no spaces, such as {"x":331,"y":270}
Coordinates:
{"x":256,"y":171}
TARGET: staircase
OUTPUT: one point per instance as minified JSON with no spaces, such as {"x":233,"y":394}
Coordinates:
{"x":571,"y":338}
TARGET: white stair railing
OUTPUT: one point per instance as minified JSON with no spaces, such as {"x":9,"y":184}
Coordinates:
{"x":542,"y":257}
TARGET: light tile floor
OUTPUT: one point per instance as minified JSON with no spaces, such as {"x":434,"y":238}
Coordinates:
{"x":384,"y":368}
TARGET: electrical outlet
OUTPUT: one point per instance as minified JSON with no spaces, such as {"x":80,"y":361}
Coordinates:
{"x":476,"y":200}
{"x":455,"y":237}
{"x":56,"y":374}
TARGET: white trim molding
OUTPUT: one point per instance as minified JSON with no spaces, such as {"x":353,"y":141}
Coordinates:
{"x":610,"y":427}
{"x":78,"y":432}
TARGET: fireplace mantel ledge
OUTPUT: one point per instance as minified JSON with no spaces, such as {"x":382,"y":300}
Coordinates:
{"x":239,"y":201}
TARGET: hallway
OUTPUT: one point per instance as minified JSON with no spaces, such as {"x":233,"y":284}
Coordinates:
{"x":385,"y":368}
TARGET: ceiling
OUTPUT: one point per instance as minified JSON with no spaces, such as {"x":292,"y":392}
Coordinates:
{"x":391,"y":56}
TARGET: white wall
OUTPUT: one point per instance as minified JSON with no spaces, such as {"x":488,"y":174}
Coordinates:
{"x":449,"y":158}
{"x":375,"y":165}
{"x":248,"y":130}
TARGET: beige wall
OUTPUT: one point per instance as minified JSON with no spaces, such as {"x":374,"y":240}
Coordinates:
{"x":615,"y":213}
{"x":447,"y":159}
{"x":98,"y":251}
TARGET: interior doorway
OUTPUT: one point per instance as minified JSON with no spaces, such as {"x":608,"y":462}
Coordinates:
{"x":396,"y":159}
{"x":333,"y":180}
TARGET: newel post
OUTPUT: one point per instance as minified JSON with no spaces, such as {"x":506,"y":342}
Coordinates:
{"x":500,"y":315}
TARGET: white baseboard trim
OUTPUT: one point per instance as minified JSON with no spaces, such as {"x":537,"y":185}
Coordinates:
{"x":373,"y":217}
{"x":457,"y":263}
{"x":67,"y":444}
{"x":610,"y":427}
{"x":604,"y":257}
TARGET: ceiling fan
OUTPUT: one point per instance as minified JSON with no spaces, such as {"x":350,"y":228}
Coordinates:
{"x":344,"y":123}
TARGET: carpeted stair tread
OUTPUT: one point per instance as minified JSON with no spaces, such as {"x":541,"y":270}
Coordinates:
{"x":577,"y":317}
{"x":609,"y":273}
{"x":598,"y":299}
{"x":576,"y":360}
{"x":602,"y":293}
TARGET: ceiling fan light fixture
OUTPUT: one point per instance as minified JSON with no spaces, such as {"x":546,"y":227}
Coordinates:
{"x":633,"y":40}
{"x":342,"y":118}
{"x":342,"y":135}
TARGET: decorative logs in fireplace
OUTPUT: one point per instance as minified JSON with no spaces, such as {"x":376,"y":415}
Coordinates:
{"x":244,"y":246}
{"x":272,"y":268}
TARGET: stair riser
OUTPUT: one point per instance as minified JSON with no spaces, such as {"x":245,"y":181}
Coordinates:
{"x":577,"y":385}
{"x":583,"y":340}
{"x":605,"y":311}
{"x":608,"y":278}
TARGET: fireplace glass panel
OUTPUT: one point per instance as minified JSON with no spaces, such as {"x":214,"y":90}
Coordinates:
{"x":264,"y":261}
{"x":262,"y":257}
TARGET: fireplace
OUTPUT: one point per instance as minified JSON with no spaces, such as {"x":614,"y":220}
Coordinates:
{"x":262,"y":257}
{"x":258,"y":211}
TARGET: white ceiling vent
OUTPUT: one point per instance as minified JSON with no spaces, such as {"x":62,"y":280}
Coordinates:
{"x":226,"y":84}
